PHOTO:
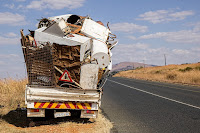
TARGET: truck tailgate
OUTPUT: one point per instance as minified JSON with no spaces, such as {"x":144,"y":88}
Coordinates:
{"x":62,"y":94}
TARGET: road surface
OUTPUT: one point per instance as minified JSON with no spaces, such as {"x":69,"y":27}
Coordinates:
{"x":136,"y":106}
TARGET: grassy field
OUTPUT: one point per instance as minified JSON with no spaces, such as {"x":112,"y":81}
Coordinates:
{"x":14,"y":120}
{"x":184,"y":74}
{"x":11,"y":94}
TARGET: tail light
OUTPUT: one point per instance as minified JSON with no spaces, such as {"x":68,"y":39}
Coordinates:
{"x":34,"y":110}
{"x":89,"y":112}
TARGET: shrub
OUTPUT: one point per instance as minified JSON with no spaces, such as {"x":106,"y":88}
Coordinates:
{"x":197,"y":68}
{"x":139,"y":67}
{"x":171,"y":76}
{"x":186,"y":69}
{"x":157,"y":72}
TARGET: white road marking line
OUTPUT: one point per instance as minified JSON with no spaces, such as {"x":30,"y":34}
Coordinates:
{"x":176,"y":88}
{"x":168,"y":87}
{"x":156,"y":95}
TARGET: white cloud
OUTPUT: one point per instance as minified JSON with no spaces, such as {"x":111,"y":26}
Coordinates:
{"x":184,"y":36}
{"x":138,"y":53}
{"x":155,"y":35}
{"x":8,"y":56}
{"x":128,"y":27}
{"x":12,"y":19}
{"x":55,"y":4}
{"x":160,"y":16}
{"x":20,"y":7}
{"x":180,"y":51}
{"x":141,"y":46}
{"x":129,"y":52}
{"x":180,"y":15}
{"x":20,"y":0}
{"x":2,"y":63}
{"x":196,"y":49}
{"x":11,"y":6}
{"x":12,"y":65}
{"x":132,"y":37}
{"x":9,"y":41}
{"x":6,"y":59}
{"x":11,"y":34}
{"x":196,"y":26}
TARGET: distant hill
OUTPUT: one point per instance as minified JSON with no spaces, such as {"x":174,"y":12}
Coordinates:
{"x":128,"y":65}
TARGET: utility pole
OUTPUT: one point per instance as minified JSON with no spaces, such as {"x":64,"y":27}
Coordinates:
{"x":165,"y":59}
{"x":144,"y":63}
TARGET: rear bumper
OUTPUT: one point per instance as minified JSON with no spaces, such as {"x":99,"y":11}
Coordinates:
{"x":37,"y":109}
{"x":63,"y":105}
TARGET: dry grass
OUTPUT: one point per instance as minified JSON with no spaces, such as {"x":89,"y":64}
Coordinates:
{"x":12,"y":94}
{"x":185,"y":74}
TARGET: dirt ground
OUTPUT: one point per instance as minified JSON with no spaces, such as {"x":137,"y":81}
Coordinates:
{"x":16,"y":122}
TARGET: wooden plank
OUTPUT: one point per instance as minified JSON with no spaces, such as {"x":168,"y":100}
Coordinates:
{"x":68,"y":59}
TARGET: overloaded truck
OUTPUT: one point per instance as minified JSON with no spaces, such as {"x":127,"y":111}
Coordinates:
{"x":68,"y":59}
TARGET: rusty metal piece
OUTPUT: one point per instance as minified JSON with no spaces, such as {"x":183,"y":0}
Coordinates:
{"x":108,"y":26}
{"x":74,"y":28}
{"x":99,"y":22}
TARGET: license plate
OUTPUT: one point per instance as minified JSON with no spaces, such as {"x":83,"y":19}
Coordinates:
{"x":61,"y":114}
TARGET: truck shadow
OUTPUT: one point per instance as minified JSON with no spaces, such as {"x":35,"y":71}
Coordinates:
{"x":18,"y":118}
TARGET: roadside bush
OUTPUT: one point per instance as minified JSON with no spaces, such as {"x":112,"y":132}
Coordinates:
{"x":186,"y":69}
{"x":171,"y":76}
{"x":197,"y":68}
{"x":138,"y":67}
{"x":157,"y":72}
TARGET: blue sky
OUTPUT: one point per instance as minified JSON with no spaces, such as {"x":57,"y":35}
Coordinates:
{"x":145,"y":29}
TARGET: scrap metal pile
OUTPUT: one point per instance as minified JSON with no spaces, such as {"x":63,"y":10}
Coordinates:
{"x":68,"y":51}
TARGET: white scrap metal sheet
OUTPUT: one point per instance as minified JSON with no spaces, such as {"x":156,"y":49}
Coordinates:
{"x":41,"y":36}
{"x":54,"y":30}
{"x":57,"y":18}
{"x":100,"y":53}
{"x":95,"y":30}
{"x":84,"y":48}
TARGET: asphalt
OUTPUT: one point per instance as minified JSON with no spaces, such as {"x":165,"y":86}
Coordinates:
{"x":137,"y":106}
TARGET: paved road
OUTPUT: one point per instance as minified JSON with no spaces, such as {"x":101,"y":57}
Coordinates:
{"x":136,"y":106}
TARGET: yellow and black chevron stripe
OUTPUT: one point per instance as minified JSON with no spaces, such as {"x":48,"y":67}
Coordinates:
{"x":64,"y":105}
